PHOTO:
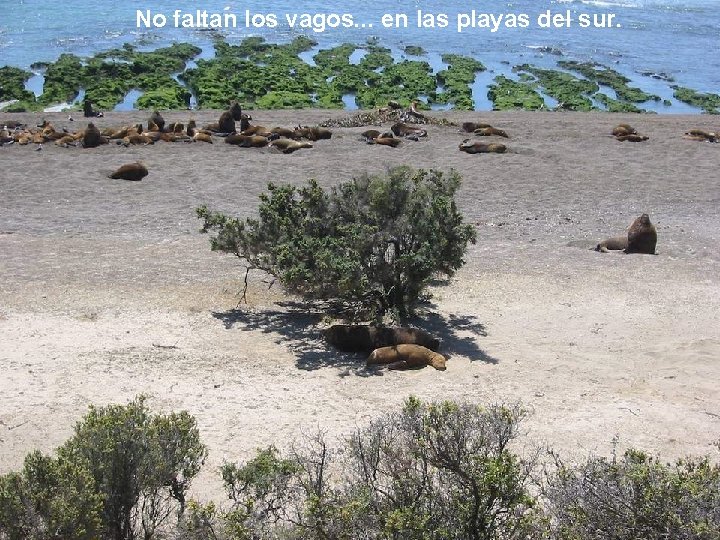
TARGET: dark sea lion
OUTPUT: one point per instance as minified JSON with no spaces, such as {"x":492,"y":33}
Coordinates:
{"x":314,"y":133}
{"x":157,"y":119}
{"x":702,"y":135}
{"x":617,"y":243}
{"x":288,"y":146}
{"x":470,"y":127}
{"x":489,"y":131}
{"x":88,"y":110}
{"x":406,"y":357}
{"x":633,"y":137}
{"x":247,"y":141}
{"x":623,"y":129}
{"x":131,"y":171}
{"x":642,"y":236}
{"x":92,"y":137}
{"x":482,"y":148}
{"x":235,"y":110}
{"x":403,"y":130}
{"x":369,"y":134}
{"x":364,"y":338}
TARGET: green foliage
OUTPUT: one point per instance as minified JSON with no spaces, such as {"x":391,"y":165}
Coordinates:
{"x":63,"y":80}
{"x":141,"y":464}
{"x":572,"y":93}
{"x":636,"y":496}
{"x":49,"y":498}
{"x":12,"y":84}
{"x":709,"y":103}
{"x":371,"y":245}
{"x":508,"y":94}
{"x":431,"y":471}
{"x":609,"y":77}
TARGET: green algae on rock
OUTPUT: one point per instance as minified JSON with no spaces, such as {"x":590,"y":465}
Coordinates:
{"x":709,"y":103}
{"x":570,"y":92}
{"x":12,"y":84}
{"x":455,"y":81}
{"x":508,"y":94}
{"x":609,"y":77}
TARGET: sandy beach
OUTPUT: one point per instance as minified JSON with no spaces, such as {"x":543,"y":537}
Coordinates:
{"x":108,"y":290}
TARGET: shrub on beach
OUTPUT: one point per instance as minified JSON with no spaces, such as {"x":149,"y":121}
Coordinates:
{"x":431,"y":470}
{"x":120,"y":477}
{"x":370,"y":246}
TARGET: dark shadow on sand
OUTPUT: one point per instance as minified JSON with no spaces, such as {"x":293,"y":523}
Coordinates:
{"x":296,"y":324}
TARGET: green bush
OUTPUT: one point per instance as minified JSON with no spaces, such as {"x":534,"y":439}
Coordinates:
{"x":636,"y":496}
{"x":122,"y":474}
{"x":431,"y":471}
{"x":370,"y":246}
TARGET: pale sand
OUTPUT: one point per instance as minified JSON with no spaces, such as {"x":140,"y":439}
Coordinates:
{"x":108,"y":290}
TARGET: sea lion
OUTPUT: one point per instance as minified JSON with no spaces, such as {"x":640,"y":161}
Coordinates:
{"x":489,"y":131}
{"x":403,"y":130}
{"x":288,"y":146}
{"x":92,"y":137}
{"x":202,"y":137}
{"x":385,"y":141}
{"x":632,"y":137}
{"x":284,"y":133}
{"x":702,"y":135}
{"x":67,"y":140}
{"x":131,"y":171}
{"x":88,"y":110}
{"x":247,"y":141}
{"x":616,"y":243}
{"x":157,"y":119}
{"x":364,"y":338}
{"x":623,"y":129}
{"x":314,"y":133}
{"x":642,"y":236}
{"x":470,"y":127}
{"x":137,"y":140}
{"x":406,"y":356}
{"x":369,"y":134}
{"x":482,"y":148}
{"x":235,"y":110}
{"x":225,"y":124}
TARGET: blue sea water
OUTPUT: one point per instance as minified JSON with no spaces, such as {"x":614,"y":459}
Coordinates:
{"x":649,"y":39}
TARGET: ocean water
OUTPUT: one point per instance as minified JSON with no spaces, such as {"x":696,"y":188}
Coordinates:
{"x":647,"y":41}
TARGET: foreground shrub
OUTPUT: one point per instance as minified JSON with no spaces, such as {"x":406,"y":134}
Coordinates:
{"x":635,"y":497}
{"x":122,"y":474}
{"x":371,"y":245}
{"x":438,"y":470}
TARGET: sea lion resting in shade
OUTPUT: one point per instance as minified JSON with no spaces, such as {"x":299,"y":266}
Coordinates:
{"x":406,"y":357}
{"x":363,"y":338}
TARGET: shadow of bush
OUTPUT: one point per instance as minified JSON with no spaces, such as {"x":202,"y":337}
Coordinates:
{"x":297,"y":325}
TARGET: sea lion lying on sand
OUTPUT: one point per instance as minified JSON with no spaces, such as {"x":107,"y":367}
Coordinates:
{"x":131,"y":171}
{"x":406,"y":357}
{"x":363,"y":338}
{"x":405,"y":130}
{"x":623,"y":129}
{"x":314,"y":133}
{"x":470,"y":127}
{"x":702,"y":135}
{"x":632,"y":137}
{"x":482,"y":148}
{"x":489,"y":131}
{"x":288,"y":146}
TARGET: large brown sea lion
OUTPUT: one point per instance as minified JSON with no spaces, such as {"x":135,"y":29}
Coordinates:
{"x":369,"y":135}
{"x":92,"y":137}
{"x":235,"y":110}
{"x":131,"y":171}
{"x":405,"y":130}
{"x":157,"y":119}
{"x":225,"y":124}
{"x":314,"y":133}
{"x":406,"y":357}
{"x":470,"y":127}
{"x":247,"y":141}
{"x":632,"y":137}
{"x":288,"y":146}
{"x":702,"y":135}
{"x":616,"y":243}
{"x":623,"y":129}
{"x":363,"y":338}
{"x":482,"y":148}
{"x":489,"y":131}
{"x":642,"y":236}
